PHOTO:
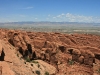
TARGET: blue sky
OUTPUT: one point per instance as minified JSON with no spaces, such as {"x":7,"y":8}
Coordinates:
{"x":50,"y":10}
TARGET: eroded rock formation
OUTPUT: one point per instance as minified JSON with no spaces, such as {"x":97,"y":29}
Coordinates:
{"x":59,"y":50}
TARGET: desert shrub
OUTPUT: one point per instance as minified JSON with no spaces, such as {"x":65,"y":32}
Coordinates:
{"x":46,"y":73}
{"x":38,"y":65}
{"x":33,"y":61}
{"x":17,"y":55}
{"x":98,"y":70}
{"x":70,"y":62}
{"x":27,"y":59}
{"x":37,"y":72}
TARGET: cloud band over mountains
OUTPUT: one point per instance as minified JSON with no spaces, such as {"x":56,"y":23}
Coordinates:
{"x":76,"y":18}
{"x":68,"y":17}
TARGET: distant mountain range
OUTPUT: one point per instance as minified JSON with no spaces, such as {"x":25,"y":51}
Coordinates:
{"x":49,"y":23}
{"x":31,"y":22}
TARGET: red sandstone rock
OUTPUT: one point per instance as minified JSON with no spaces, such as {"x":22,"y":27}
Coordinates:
{"x":56,"y":49}
{"x":0,"y":70}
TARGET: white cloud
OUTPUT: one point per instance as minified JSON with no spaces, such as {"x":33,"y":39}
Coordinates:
{"x":68,"y":17}
{"x":62,"y":14}
{"x":54,"y":17}
{"x":59,"y":16}
{"x":76,"y":18}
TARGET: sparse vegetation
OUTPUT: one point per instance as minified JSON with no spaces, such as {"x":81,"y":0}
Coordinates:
{"x":70,"y":62}
{"x":98,"y":70}
{"x":37,"y":72}
{"x":27,"y":59}
{"x":33,"y":61}
{"x":38,"y":65}
{"x":17,"y":55}
{"x":46,"y":73}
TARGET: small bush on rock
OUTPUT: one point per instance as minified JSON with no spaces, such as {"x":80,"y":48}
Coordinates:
{"x":46,"y":73}
{"x":70,"y":62}
{"x":27,"y":59}
{"x":37,"y":72}
{"x":98,"y":70}
{"x":33,"y":61}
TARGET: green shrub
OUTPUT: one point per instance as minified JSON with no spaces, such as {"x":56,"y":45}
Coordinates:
{"x":37,"y":72}
{"x":33,"y":61}
{"x":17,"y":55}
{"x":98,"y":70}
{"x":27,"y":59}
{"x":70,"y":62}
{"x":38,"y":65}
{"x":46,"y":73}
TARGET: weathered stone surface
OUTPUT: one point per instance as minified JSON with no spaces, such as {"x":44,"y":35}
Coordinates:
{"x":81,"y":59}
{"x":76,"y":52}
{"x":89,"y":58}
{"x":0,"y":70}
{"x":0,"y":49}
{"x":53,"y":48}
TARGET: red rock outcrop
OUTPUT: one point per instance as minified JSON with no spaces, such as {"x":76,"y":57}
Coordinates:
{"x":56,"y":48}
{"x":0,"y":70}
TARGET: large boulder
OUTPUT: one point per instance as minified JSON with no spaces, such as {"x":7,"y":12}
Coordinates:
{"x":75,"y":54}
{"x":81,"y":59}
{"x":89,"y":58}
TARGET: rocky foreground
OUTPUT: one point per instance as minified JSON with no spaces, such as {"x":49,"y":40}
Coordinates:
{"x":40,"y":53}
